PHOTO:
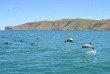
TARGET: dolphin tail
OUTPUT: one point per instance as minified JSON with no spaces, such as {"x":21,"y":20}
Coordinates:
{"x":93,"y":48}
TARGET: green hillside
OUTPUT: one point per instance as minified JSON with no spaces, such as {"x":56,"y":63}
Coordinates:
{"x":64,"y":24}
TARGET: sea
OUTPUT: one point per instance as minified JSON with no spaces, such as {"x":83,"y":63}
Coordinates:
{"x":50,"y":54}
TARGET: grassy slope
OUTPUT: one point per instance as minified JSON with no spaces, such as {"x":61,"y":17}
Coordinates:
{"x":66,"y":24}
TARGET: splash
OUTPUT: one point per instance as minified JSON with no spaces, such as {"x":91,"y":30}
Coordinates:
{"x":92,"y":52}
{"x":69,"y":50}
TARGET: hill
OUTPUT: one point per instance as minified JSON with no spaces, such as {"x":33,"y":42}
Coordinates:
{"x":64,"y":24}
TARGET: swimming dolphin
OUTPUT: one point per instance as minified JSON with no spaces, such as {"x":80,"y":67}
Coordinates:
{"x":14,"y":39}
{"x":88,"y":46}
{"x":21,"y":40}
{"x":6,"y":42}
{"x":69,"y":40}
{"x":32,"y":42}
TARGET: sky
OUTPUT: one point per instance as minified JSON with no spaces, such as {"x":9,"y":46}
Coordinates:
{"x":17,"y":12}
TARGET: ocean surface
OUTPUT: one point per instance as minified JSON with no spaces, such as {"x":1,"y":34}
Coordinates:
{"x":50,"y":54}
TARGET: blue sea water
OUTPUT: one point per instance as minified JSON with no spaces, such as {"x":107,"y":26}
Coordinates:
{"x":50,"y":54}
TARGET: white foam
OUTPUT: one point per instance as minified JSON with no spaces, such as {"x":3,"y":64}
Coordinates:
{"x":69,"y":50}
{"x":91,"y":52}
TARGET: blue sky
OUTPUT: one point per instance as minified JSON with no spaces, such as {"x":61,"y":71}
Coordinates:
{"x":17,"y":12}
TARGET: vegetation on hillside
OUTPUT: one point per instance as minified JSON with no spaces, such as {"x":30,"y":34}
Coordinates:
{"x":64,"y":24}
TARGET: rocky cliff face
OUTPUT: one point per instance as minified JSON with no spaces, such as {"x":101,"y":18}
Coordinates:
{"x":65,"y":24}
{"x":8,"y":28}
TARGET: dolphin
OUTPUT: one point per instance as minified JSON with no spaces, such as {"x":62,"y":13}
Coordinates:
{"x":88,"y":46}
{"x":69,"y":40}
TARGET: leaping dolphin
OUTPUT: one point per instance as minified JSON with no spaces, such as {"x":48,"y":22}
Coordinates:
{"x":69,"y":40}
{"x":88,"y":46}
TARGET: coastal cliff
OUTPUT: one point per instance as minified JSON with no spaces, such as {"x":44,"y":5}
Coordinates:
{"x":8,"y":28}
{"x":64,"y":24}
